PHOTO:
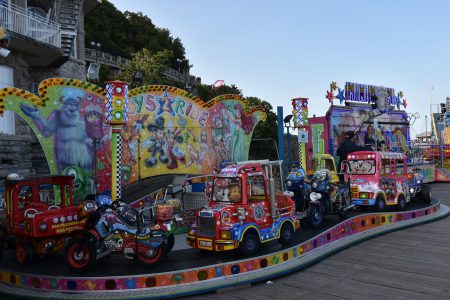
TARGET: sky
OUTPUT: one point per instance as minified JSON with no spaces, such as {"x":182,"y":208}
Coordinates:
{"x":280,"y":50}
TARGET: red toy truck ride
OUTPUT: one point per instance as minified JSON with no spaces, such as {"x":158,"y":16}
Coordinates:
{"x":244,"y":210}
{"x":41,"y":216}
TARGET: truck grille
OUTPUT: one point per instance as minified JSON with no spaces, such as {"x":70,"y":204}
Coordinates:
{"x":354,"y":192}
{"x":207,"y":227}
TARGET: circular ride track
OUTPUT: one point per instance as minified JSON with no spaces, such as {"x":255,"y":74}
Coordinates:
{"x":190,"y":271}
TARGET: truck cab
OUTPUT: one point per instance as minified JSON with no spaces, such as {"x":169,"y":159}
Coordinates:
{"x":324,"y":161}
{"x":41,"y":215}
{"x":244,"y":210}
{"x":378,"y":179}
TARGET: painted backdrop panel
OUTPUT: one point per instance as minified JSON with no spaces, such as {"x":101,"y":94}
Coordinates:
{"x":172,"y":131}
{"x":393,"y":128}
{"x":67,"y":118}
{"x":169,"y":131}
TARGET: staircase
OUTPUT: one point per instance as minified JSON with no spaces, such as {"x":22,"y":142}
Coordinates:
{"x":68,"y":13}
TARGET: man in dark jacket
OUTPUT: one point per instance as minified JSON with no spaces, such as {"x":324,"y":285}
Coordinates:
{"x":348,"y":146}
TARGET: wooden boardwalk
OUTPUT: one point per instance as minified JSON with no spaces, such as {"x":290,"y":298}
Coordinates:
{"x":412,"y":263}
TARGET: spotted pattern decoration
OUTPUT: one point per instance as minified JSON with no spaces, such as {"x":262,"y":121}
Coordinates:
{"x":350,"y":227}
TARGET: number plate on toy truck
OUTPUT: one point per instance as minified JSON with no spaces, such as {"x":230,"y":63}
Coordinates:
{"x":205,"y":244}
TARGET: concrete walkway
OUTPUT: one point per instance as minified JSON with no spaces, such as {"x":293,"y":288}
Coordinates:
{"x":413,"y":263}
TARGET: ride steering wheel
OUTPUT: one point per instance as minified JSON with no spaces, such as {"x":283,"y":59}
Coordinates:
{"x":32,"y":211}
{"x":53,"y":207}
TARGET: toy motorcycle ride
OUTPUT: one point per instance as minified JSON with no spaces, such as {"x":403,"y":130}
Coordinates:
{"x":295,"y":183}
{"x":119,"y":228}
{"x":327,"y":198}
{"x":417,"y":187}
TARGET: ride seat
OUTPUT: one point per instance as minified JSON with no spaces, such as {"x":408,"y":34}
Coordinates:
{"x":133,"y":219}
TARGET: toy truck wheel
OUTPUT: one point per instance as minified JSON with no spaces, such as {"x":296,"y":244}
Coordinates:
{"x":80,"y":254}
{"x":150,"y":258}
{"x":401,"y":202}
{"x":425,"y":194}
{"x":170,"y":242}
{"x":316,"y":215}
{"x":24,"y":252}
{"x":380,"y":204}
{"x":286,"y":234}
{"x":250,"y":244}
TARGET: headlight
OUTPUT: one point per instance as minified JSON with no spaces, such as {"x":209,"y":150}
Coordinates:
{"x":168,"y":225}
{"x":418,"y":181}
{"x":225,"y":234}
{"x":225,"y":217}
{"x":411,"y":191}
{"x":315,"y":196}
{"x":43,"y":227}
{"x":191,"y":231}
{"x":314,"y":185}
{"x":289,"y":183}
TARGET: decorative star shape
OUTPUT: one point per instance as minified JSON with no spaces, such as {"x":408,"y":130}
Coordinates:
{"x":333,"y":85}
{"x":340,"y":95}
{"x":330,"y":96}
{"x":165,"y":104}
{"x":397,"y":101}
{"x":405,"y":103}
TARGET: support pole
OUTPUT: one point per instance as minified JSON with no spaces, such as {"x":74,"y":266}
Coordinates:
{"x":288,"y":161}
{"x":300,"y":112}
{"x":117,"y":116}
{"x":302,"y":152}
{"x":280,"y":135}
{"x":116,"y":160}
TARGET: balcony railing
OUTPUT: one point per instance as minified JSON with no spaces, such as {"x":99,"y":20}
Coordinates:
{"x":15,"y":19}
{"x":118,"y":62}
{"x":94,"y":55}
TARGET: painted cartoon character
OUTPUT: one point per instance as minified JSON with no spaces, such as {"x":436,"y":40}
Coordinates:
{"x":235,"y":193}
{"x":83,"y":185}
{"x":174,"y":152}
{"x":204,"y":148}
{"x":243,"y":126}
{"x":221,"y":194}
{"x":401,"y":141}
{"x":389,"y":188}
{"x":129,"y":138}
{"x":193,"y":155}
{"x":93,"y":117}
{"x":219,"y":140}
{"x":71,"y":144}
{"x":202,"y":158}
{"x":156,"y":144}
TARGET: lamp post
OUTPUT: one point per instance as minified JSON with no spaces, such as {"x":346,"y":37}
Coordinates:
{"x":96,"y":46}
{"x":94,"y":68}
{"x":287,"y":124}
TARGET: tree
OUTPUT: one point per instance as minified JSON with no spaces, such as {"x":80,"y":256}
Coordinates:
{"x":153,"y":65}
{"x":265,"y":135}
{"x":107,"y":25}
{"x":206,"y":92}
{"x":123,"y":34}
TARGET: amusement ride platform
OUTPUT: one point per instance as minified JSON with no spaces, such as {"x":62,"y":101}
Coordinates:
{"x":189,"y":271}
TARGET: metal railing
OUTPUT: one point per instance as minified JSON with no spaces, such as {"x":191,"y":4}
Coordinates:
{"x":15,"y":18}
{"x":94,"y":55}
